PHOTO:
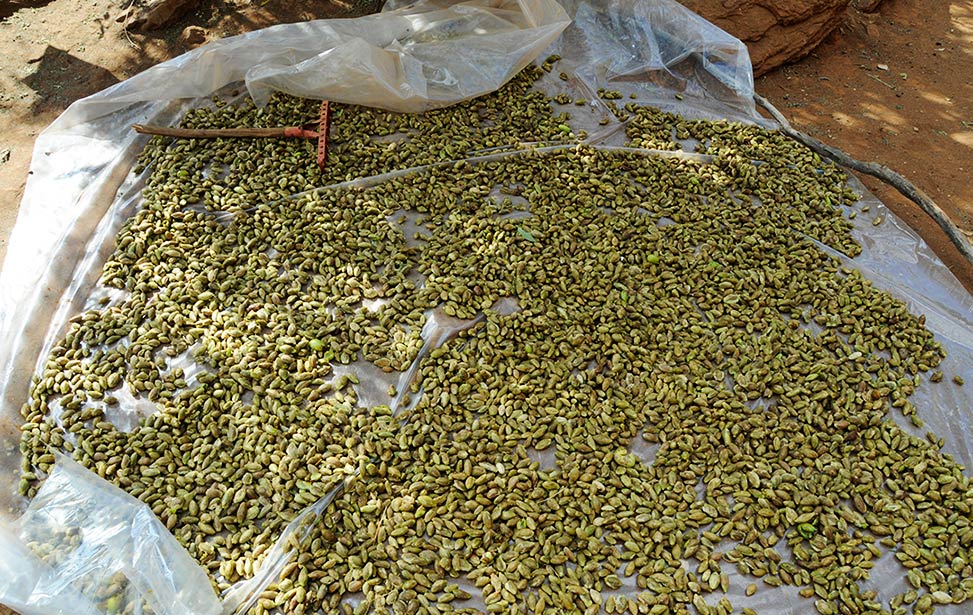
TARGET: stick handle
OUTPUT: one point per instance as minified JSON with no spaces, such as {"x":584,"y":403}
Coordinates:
{"x":882,"y":172}
{"x":209,"y":133}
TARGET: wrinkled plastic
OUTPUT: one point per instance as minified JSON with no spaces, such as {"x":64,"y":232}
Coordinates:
{"x":81,"y":192}
{"x":84,"y":542}
{"x":422,"y":56}
{"x":657,"y":51}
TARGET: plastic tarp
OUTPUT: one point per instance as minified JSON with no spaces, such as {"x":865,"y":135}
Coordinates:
{"x":409,"y":58}
{"x":94,"y":531}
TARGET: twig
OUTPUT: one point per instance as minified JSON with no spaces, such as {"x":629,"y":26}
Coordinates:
{"x":216,"y":133}
{"x":882,"y":172}
{"x":128,"y":37}
{"x":885,"y":83}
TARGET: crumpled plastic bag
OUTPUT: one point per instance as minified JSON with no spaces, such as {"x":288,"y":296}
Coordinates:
{"x":663,"y":48}
{"x":85,"y":547}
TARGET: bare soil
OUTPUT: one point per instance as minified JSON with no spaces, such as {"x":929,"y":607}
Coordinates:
{"x":896,"y":87}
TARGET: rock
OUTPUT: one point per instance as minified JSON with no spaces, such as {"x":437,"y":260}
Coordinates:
{"x":866,"y":6}
{"x":775,"y":31}
{"x":156,"y":14}
{"x":192,"y":36}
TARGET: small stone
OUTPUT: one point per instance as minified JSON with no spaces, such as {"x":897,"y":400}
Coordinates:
{"x":193,"y":36}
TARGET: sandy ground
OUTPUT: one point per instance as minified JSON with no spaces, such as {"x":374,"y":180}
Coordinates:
{"x":896,"y":87}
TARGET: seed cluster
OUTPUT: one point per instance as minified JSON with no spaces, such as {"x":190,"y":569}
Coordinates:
{"x":684,"y":385}
{"x":763,"y":165}
{"x":226,"y":173}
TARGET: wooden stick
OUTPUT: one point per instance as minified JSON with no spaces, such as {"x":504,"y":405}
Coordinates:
{"x":882,"y":172}
{"x":208,"y":133}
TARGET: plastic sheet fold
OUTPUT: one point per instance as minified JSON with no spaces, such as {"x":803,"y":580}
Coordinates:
{"x":85,"y":547}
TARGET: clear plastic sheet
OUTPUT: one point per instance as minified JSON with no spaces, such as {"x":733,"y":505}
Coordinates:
{"x":658,"y":51}
{"x":423,"y":56}
{"x":93,"y":547}
{"x":80,"y":193}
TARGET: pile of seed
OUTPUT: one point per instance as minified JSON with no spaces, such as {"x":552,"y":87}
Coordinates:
{"x":687,"y":383}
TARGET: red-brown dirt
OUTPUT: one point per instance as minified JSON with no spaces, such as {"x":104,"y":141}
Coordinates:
{"x":896,"y":87}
